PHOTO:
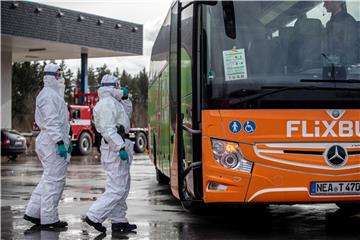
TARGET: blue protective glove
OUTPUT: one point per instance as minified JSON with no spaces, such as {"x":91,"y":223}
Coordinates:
{"x":125,"y":92}
{"x":62,"y":150}
{"x":123,"y":155}
{"x":70,"y":148}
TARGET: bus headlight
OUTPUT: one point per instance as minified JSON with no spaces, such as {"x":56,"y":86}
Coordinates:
{"x":228,"y":155}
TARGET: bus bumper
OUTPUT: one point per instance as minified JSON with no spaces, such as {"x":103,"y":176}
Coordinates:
{"x":276,"y":185}
{"x":270,"y":185}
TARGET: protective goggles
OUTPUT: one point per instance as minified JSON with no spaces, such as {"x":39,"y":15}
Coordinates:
{"x":113,"y":84}
{"x":56,"y":74}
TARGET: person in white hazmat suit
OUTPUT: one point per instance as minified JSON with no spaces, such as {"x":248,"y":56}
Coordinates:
{"x":53,"y":147}
{"x":110,"y":116}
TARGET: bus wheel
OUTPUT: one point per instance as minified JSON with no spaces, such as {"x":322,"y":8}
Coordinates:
{"x":85,"y":144}
{"x":197,"y":207}
{"x":161,"y":178}
{"x":140,"y":142}
{"x":349,"y":207}
{"x":190,"y":205}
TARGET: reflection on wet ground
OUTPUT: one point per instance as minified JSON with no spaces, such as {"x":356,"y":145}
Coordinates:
{"x":158,"y":214}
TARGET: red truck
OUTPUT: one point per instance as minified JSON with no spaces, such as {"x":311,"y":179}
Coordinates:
{"x":83,"y":136}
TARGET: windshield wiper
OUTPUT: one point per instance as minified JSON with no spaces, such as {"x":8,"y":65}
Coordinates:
{"x":277,"y":89}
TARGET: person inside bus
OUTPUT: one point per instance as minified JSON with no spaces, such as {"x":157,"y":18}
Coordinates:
{"x":341,"y":34}
{"x":109,"y":117}
{"x":305,"y":45}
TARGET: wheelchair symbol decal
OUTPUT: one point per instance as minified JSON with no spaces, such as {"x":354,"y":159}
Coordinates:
{"x":249,"y":126}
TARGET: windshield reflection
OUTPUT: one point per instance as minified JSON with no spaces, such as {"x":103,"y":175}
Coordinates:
{"x":252,"y":46}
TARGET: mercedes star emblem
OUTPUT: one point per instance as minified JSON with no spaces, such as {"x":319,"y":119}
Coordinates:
{"x":336,"y":156}
{"x":336,"y":114}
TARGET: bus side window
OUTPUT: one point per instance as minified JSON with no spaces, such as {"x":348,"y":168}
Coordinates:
{"x":173,"y":66}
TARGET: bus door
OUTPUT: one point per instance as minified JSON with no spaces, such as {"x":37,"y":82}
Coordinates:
{"x":191,"y":147}
{"x":164,"y":140}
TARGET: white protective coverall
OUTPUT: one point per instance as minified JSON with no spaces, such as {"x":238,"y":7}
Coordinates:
{"x":109,"y":113}
{"x":129,"y":147}
{"x":51,"y":115}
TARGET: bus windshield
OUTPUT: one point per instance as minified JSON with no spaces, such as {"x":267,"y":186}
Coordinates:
{"x":281,"y":54}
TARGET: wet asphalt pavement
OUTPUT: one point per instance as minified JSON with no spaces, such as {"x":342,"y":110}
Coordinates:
{"x":157,"y":214}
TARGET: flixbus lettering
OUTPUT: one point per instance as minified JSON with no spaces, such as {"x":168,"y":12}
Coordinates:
{"x":310,"y":129}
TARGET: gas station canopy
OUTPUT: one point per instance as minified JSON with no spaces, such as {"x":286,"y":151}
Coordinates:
{"x":33,"y":31}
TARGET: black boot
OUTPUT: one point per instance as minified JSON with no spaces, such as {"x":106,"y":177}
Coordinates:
{"x":34,"y":229}
{"x":58,"y":224}
{"x":33,"y":220}
{"x":123,"y":227}
{"x":97,"y":226}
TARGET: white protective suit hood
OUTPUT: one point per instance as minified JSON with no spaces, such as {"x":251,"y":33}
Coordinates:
{"x":108,"y":84}
{"x":50,"y":80}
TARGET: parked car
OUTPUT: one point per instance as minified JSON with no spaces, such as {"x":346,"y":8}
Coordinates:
{"x":12,"y":143}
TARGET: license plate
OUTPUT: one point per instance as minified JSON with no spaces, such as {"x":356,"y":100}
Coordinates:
{"x":18,"y":143}
{"x":335,"y":188}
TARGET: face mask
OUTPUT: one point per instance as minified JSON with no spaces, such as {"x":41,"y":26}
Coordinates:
{"x":117,"y":94}
{"x":61,"y":86}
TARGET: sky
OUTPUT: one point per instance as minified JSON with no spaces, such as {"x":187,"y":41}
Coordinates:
{"x":149,"y":13}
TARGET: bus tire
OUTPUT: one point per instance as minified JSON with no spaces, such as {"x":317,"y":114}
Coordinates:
{"x":197,"y":207}
{"x":84,"y":145}
{"x":140,"y":142}
{"x":161,"y":178}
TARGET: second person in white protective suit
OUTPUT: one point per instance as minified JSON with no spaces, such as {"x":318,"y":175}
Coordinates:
{"x":129,"y":148}
{"x":53,"y":148}
{"x":116,"y":154}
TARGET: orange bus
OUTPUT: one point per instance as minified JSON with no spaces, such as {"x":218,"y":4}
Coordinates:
{"x":257,"y":102}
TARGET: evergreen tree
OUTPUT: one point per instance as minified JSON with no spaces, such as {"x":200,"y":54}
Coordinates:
{"x":92,"y":80}
{"x":125,"y":79}
{"x":143,"y":85}
{"x":116,"y":73}
{"x":137,"y":86}
{"x":27,"y":80}
{"x":69,"y":87}
{"x":62,"y":66}
{"x":78,"y":78}
{"x":77,"y":83}
{"x":100,"y":72}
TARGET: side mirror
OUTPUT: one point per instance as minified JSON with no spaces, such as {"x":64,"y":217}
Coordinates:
{"x":229,"y":19}
{"x":75,"y":114}
{"x":209,"y":3}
